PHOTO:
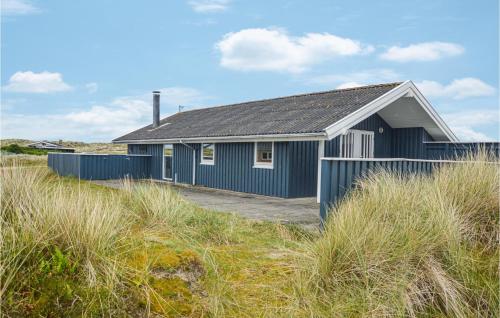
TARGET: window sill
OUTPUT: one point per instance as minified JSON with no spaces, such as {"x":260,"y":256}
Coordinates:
{"x":261,"y":166}
{"x":207,"y":163}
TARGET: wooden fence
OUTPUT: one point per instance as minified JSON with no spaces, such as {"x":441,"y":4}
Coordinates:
{"x":339,"y":175}
{"x":100,"y":166}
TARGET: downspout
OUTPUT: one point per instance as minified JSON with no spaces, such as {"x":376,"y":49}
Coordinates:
{"x":194,"y":160}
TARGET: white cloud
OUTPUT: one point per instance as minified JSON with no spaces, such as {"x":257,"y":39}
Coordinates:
{"x":91,"y":87}
{"x":275,"y":50}
{"x":428,"y":51}
{"x":349,"y":85}
{"x":209,"y":6}
{"x":17,"y":7}
{"x":467,"y":133}
{"x":100,"y":122}
{"x":360,"y":78}
{"x":30,"y":82}
{"x":457,"y":89}
{"x":465,"y":124}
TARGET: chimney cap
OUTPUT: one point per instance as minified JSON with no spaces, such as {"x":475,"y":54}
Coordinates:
{"x":156,"y":92}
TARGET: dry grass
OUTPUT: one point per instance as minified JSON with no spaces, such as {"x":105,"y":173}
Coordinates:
{"x":418,"y":246}
{"x":71,"y":248}
{"x":22,"y":161}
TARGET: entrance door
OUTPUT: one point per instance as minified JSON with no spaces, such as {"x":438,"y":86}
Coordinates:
{"x":357,"y":144}
{"x":168,"y":155}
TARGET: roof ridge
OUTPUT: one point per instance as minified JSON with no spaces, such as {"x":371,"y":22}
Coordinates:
{"x":295,"y":95}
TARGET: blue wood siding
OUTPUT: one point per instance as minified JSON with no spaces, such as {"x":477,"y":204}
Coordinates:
{"x":233,"y":170}
{"x":183,"y":163}
{"x":303,"y":168}
{"x":156,"y":153}
{"x":409,"y":143}
{"x":294,"y":173}
{"x":382,"y":140}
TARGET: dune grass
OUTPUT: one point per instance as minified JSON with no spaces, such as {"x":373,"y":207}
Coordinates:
{"x":408,"y":246}
{"x":72,"y":248}
{"x":420,"y":246}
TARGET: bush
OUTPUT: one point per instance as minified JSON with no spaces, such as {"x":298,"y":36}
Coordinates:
{"x":16,"y":149}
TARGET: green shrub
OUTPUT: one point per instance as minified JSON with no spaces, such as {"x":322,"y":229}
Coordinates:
{"x":16,"y":149}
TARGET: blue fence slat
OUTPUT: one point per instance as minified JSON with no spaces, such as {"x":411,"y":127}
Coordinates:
{"x":453,"y":150}
{"x":100,"y":167}
{"x":339,"y":176}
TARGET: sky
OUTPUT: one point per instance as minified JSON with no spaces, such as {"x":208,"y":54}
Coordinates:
{"x":85,"y":70}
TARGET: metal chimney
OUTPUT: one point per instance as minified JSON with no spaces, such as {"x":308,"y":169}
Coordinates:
{"x":156,"y":109}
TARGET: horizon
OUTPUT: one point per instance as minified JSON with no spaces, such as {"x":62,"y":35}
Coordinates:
{"x":85,"y":71}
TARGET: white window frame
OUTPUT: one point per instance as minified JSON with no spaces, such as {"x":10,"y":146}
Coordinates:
{"x":357,"y":137}
{"x":163,"y":162}
{"x":263,"y":165}
{"x":204,"y":161}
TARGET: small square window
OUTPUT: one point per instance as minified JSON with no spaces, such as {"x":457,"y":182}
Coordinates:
{"x":263,"y":156}
{"x":207,"y":154}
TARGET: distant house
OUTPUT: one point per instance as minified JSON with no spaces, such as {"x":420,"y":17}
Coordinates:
{"x":46,"y":145}
{"x":273,"y":146}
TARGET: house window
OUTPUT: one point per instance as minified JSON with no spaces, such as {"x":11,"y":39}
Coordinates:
{"x":168,"y":152}
{"x":263,"y":155}
{"x":357,"y":144}
{"x":142,"y":150}
{"x":208,"y":154}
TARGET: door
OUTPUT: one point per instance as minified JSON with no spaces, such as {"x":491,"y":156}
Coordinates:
{"x":168,"y":156}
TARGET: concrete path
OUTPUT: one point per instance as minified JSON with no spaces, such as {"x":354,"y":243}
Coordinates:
{"x":301,"y":211}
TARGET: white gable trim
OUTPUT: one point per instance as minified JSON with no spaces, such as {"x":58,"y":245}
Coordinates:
{"x":405,"y":89}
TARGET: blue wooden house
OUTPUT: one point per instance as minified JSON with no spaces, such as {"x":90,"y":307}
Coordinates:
{"x":273,"y":147}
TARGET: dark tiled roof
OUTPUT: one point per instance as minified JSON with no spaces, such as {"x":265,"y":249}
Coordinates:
{"x":307,"y":113}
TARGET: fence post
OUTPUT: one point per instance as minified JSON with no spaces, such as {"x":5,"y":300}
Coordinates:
{"x":325,"y":191}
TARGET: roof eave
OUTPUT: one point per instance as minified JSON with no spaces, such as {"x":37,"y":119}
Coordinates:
{"x":244,"y":138}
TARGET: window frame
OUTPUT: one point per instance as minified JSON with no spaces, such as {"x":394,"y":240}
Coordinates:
{"x":163,"y":162}
{"x":263,"y":165}
{"x":204,"y":161}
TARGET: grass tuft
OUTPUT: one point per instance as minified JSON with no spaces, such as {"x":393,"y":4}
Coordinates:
{"x":408,"y":246}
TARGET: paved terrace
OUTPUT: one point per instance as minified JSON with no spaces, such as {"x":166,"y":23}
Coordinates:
{"x":300,"y":211}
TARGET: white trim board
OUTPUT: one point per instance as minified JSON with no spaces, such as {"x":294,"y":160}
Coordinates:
{"x":405,"y":89}
{"x":321,"y":154}
{"x":386,"y":159}
{"x":163,"y":163}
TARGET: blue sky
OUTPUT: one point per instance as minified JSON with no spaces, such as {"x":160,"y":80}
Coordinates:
{"x":84,"y":70}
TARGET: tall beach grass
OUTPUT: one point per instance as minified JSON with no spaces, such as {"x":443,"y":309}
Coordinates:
{"x":71,"y":248}
{"x":408,"y":246}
